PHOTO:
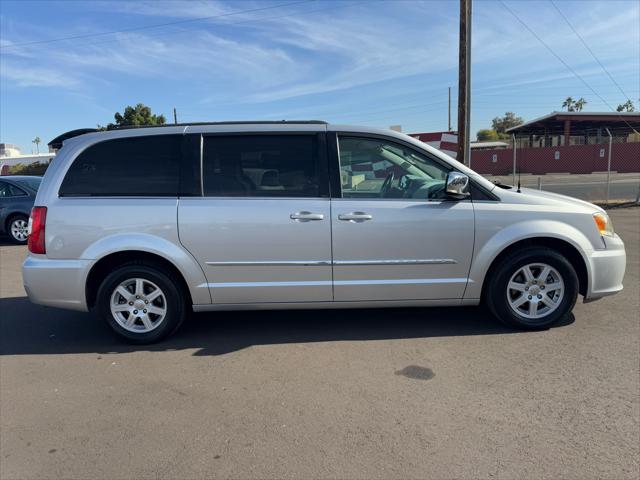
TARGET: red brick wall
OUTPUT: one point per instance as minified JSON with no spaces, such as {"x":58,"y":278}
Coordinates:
{"x":625,"y":157}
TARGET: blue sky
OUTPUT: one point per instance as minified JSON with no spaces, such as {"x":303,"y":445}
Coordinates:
{"x":375,"y":63}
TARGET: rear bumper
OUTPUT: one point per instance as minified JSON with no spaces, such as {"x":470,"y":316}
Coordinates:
{"x":56,"y":283}
{"x":607,"y":269}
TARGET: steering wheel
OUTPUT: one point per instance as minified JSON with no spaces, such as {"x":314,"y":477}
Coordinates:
{"x":386,"y":185}
{"x":435,"y":192}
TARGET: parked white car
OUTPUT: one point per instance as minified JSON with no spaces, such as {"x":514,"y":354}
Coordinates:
{"x":142,"y":225}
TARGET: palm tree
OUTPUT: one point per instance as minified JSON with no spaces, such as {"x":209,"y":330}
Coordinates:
{"x":569,"y":104}
{"x":37,"y":142}
{"x":626,"y":107}
{"x":579,"y":105}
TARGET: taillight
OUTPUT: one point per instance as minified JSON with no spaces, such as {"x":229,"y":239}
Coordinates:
{"x":36,"y":230}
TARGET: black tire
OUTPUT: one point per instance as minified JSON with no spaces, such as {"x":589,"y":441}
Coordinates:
{"x":171,"y":288}
{"x":498,"y":280}
{"x":9,"y":228}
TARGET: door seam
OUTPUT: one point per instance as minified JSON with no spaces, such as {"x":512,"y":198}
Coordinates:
{"x":333,"y":283}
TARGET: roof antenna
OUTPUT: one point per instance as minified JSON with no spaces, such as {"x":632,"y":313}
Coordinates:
{"x":519,"y":171}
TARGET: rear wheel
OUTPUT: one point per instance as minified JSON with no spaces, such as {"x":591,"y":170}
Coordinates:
{"x":532,"y":288}
{"x":141,"y":303}
{"x":18,"y":229}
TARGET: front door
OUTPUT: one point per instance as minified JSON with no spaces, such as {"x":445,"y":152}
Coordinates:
{"x":395,"y":235}
{"x":261,"y":229}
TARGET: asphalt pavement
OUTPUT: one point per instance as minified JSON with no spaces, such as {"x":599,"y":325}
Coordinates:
{"x":399,"y":393}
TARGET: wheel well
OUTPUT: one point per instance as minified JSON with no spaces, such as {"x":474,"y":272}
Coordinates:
{"x":107,"y":264}
{"x":562,"y":247}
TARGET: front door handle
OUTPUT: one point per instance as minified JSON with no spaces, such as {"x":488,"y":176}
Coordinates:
{"x":305,"y":216}
{"x":355,"y":217}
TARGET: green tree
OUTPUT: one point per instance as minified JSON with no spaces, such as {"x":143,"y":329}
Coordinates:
{"x":574,"y":105}
{"x":487,"y":135}
{"x":37,"y":141}
{"x":579,"y":105}
{"x":140,"y":115}
{"x":568,"y":103}
{"x":626,"y":107}
{"x":502,"y":124}
{"x":31,"y":169}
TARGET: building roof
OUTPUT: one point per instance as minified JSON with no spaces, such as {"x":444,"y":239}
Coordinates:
{"x":621,"y":122}
{"x":489,"y":145}
{"x":27,"y":155}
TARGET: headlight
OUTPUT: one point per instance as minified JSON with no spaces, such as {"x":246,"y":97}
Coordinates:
{"x":603,"y":222}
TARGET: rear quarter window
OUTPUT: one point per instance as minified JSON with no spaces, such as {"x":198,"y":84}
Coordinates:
{"x":136,"y":166}
{"x":33,"y":183}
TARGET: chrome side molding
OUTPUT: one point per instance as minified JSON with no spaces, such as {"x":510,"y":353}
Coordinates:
{"x":287,"y":263}
{"x":426,"y":261}
{"x":277,"y":263}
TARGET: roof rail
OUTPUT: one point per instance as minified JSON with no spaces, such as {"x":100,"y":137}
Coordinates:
{"x":57,"y":142}
{"x":233,"y":122}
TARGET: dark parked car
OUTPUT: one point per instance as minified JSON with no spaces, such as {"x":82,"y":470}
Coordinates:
{"x":17,"y":194}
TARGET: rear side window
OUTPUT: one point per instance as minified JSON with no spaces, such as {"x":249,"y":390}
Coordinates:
{"x":31,"y":182}
{"x":137,"y":166}
{"x":262,"y":166}
{"x":7,"y":190}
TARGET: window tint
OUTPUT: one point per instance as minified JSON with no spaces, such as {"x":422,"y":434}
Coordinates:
{"x":261,"y":166}
{"x":138,"y":166}
{"x":17,"y":191}
{"x":374,"y":168}
{"x":4,"y":190}
{"x":31,"y":182}
{"x":8,"y":190}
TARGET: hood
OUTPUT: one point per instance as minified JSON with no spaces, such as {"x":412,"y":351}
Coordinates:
{"x":540,"y":197}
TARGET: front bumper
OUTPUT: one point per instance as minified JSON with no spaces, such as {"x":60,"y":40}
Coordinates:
{"x":56,"y":283}
{"x":607,"y":269}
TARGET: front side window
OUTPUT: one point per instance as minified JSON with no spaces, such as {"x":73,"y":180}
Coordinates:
{"x":135,"y":166}
{"x":374,"y":168}
{"x":261,"y":166}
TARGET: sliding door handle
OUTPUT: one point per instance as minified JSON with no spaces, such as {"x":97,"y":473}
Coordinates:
{"x":306,"y":216}
{"x":355,"y":217}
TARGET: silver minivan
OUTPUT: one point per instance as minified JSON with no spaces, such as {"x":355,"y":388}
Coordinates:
{"x":142,"y":225}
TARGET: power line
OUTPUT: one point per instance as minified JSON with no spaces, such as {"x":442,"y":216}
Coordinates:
{"x":146,"y":27}
{"x":589,"y":49}
{"x":227,"y":24}
{"x":563,"y":62}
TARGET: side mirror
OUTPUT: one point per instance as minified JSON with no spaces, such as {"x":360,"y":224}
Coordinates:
{"x":457,"y":186}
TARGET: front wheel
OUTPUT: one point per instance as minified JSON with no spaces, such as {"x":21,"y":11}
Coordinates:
{"x":141,"y":303}
{"x":532,"y":289}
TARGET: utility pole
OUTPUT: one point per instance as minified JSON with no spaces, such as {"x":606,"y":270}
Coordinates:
{"x":449,"y":124}
{"x":464,"y":83}
{"x":175,"y":116}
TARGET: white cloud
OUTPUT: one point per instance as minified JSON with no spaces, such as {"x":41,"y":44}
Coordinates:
{"x":26,"y":76}
{"x":170,"y":9}
{"x":342,"y":53}
{"x":337,"y":49}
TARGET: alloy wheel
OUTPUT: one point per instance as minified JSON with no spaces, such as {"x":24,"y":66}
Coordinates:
{"x":20,"y":229}
{"x":535,"y":290}
{"x":138,"y":305}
